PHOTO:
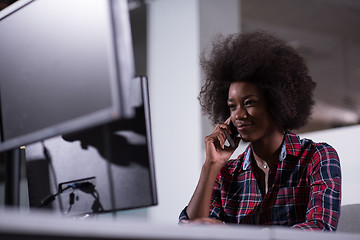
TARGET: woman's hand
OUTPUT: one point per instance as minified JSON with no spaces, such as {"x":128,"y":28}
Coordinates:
{"x":216,"y":151}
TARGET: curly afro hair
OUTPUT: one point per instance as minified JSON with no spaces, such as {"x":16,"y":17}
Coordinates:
{"x":265,"y":60}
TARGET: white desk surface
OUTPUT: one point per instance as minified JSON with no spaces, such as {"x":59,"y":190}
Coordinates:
{"x":28,"y":226}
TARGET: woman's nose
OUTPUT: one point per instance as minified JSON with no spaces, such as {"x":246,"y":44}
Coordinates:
{"x":240,"y":113}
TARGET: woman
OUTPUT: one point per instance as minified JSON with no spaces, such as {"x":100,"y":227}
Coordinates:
{"x":261,"y":85}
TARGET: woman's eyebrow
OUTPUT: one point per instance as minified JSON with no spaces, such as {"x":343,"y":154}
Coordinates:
{"x":250,"y":95}
{"x":243,"y":98}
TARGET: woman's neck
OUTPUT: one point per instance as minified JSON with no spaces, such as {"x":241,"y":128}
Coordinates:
{"x":268,"y":148}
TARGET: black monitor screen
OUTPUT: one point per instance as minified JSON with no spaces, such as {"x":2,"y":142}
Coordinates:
{"x":64,"y":66}
{"x":103,"y":169}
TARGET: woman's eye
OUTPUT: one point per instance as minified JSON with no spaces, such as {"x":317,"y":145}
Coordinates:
{"x":249,"y":103}
{"x":232,"y":107}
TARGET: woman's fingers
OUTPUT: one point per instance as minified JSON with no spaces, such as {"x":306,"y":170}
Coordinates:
{"x":222,"y":138}
{"x":218,"y":136}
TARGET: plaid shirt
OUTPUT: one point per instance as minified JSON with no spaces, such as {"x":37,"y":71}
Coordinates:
{"x":304,"y":188}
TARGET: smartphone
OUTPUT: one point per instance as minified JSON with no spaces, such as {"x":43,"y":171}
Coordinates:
{"x":234,"y":133}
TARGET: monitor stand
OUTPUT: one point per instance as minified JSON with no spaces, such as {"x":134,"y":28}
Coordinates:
{"x":12,"y":177}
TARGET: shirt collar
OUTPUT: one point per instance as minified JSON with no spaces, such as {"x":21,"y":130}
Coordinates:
{"x":293,"y":144}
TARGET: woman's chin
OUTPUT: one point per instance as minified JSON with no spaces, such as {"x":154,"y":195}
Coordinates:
{"x":245,"y":139}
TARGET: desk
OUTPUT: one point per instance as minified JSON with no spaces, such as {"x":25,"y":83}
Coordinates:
{"x":17,"y":225}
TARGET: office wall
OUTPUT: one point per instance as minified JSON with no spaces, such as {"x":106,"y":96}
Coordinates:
{"x":173,"y":70}
{"x":177,"y":31}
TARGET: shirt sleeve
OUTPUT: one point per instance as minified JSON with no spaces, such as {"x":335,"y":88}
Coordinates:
{"x":323,"y":209}
{"x":215,"y":204}
{"x":183,"y":215}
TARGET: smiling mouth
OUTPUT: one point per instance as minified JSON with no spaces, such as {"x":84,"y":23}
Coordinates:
{"x":243,"y":126}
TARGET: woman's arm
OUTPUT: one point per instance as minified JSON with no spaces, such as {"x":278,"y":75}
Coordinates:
{"x":199,"y":204}
{"x":216,"y":156}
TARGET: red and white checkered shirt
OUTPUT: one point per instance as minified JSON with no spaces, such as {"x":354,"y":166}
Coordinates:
{"x":304,"y":188}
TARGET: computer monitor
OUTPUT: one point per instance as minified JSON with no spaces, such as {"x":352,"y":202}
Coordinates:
{"x":104,"y":169}
{"x":65,"y":66}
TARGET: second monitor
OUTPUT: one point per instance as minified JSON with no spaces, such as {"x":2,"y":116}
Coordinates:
{"x":107,"y":168}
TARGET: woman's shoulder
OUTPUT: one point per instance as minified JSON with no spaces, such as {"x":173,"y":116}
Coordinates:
{"x":325,"y":154}
{"x":310,"y":151}
{"x":321,"y":151}
{"x":295,"y":141}
{"x":319,"y":147}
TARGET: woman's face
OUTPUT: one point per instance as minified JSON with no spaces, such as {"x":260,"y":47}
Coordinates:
{"x":249,"y":111}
